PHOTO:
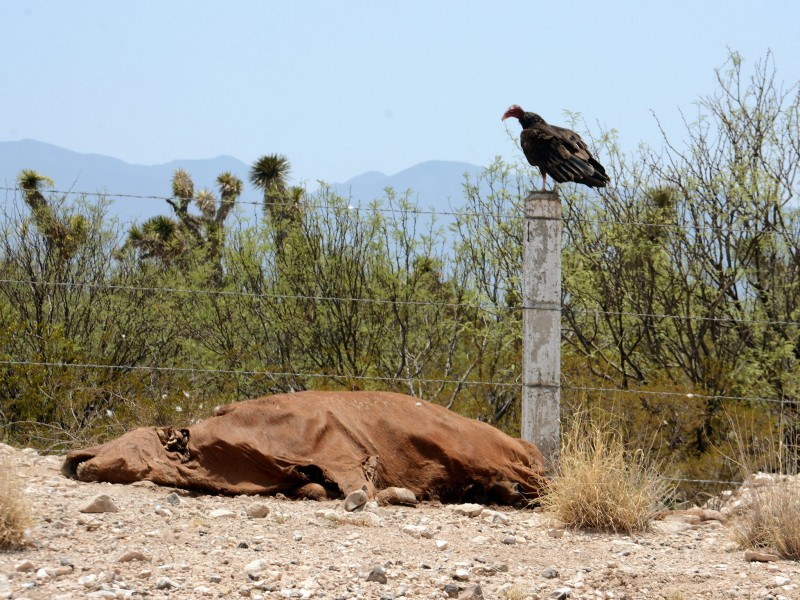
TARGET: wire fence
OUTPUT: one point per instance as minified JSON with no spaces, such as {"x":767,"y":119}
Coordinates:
{"x":455,"y":381}
{"x":416,"y":210}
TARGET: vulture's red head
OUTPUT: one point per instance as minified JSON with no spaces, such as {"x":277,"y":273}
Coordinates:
{"x":513,"y":111}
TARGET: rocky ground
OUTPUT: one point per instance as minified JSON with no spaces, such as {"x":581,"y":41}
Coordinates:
{"x":164,"y":543}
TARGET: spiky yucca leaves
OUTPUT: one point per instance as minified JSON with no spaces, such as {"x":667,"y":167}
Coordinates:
{"x":230,"y":188}
{"x":63,"y":236}
{"x":269,"y":173}
{"x":207,"y":204}
{"x":158,"y":237}
{"x":182,"y":185}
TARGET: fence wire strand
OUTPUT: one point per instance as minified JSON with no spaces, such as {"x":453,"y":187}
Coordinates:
{"x":435,"y":212}
{"x":498,"y":215}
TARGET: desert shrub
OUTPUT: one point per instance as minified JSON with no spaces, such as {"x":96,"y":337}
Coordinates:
{"x":770,"y":518}
{"x":599,"y":483}
{"x":15,"y":511}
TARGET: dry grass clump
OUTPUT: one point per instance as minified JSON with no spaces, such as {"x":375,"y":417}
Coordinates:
{"x":15,"y":512}
{"x":770,"y":518}
{"x":599,"y":484}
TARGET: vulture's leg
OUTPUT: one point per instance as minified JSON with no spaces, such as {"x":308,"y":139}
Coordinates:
{"x":544,"y":178}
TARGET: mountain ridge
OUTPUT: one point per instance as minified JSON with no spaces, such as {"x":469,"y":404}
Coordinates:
{"x":435,"y":184}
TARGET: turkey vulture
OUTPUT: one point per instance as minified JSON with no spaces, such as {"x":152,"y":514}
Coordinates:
{"x":558,"y":152}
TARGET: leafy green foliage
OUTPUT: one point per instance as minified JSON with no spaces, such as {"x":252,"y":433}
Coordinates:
{"x":680,"y":292}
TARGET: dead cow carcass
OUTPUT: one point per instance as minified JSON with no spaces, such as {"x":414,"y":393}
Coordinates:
{"x":324,"y":444}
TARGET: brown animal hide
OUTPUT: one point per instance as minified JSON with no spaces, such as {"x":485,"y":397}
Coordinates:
{"x":331,"y":442}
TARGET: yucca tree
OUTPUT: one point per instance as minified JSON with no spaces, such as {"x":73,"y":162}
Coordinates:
{"x":282,"y":204}
{"x":64,"y":236}
{"x":269,"y":174}
{"x":159,"y":237}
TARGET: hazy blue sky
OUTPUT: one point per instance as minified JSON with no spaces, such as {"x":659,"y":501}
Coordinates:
{"x":346,"y":87}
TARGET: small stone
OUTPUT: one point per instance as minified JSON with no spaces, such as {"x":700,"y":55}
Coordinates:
{"x":469,"y":510}
{"x":510,"y":540}
{"x":145,"y":574}
{"x":100,"y":504}
{"x":397,"y":495}
{"x":221,"y":513}
{"x":561,"y":593}
{"x":163,"y":512}
{"x":257,"y":510}
{"x":165,"y":583}
{"x":88,"y":581}
{"x":494,"y":517}
{"x":355,"y":500}
{"x":377,"y":574}
{"x":255,"y":567}
{"x":442,"y":544}
{"x":550,"y":573}
{"x":24,"y":566}
{"x":452,"y":590}
{"x":173,"y":499}
{"x":758,"y":556}
{"x":145,"y":483}
{"x":555,"y":533}
{"x":461,"y":575}
{"x":473,"y":592}
{"x":781,"y":580}
{"x":417,"y":531}
{"x":133,"y":555}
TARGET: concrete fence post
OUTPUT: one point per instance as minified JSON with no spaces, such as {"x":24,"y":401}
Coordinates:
{"x":541,"y":345}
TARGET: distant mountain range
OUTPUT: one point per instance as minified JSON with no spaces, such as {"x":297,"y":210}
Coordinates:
{"x":434,"y":184}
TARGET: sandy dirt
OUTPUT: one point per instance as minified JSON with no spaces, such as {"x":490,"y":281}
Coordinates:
{"x":166,"y":543}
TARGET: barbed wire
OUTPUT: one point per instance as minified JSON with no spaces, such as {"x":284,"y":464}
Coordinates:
{"x":344,"y":376}
{"x":384,"y":301}
{"x":446,"y":213}
{"x":210,"y":292}
{"x":681,"y":394}
{"x":251,"y":372}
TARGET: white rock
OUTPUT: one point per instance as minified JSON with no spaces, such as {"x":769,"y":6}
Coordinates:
{"x":165,"y":583}
{"x":100,"y":504}
{"x":88,"y":581}
{"x":355,"y":500}
{"x":417,"y":531}
{"x":461,"y":575}
{"x":255,"y":567}
{"x":781,"y":580}
{"x":221,"y":513}
{"x":442,"y":544}
{"x":494,"y":517}
{"x":469,"y":510}
{"x":257,"y":510}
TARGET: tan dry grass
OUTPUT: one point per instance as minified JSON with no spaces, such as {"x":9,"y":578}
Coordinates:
{"x":771,"y":519}
{"x":599,"y":484}
{"x":769,"y":516}
{"x":15,"y":510}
